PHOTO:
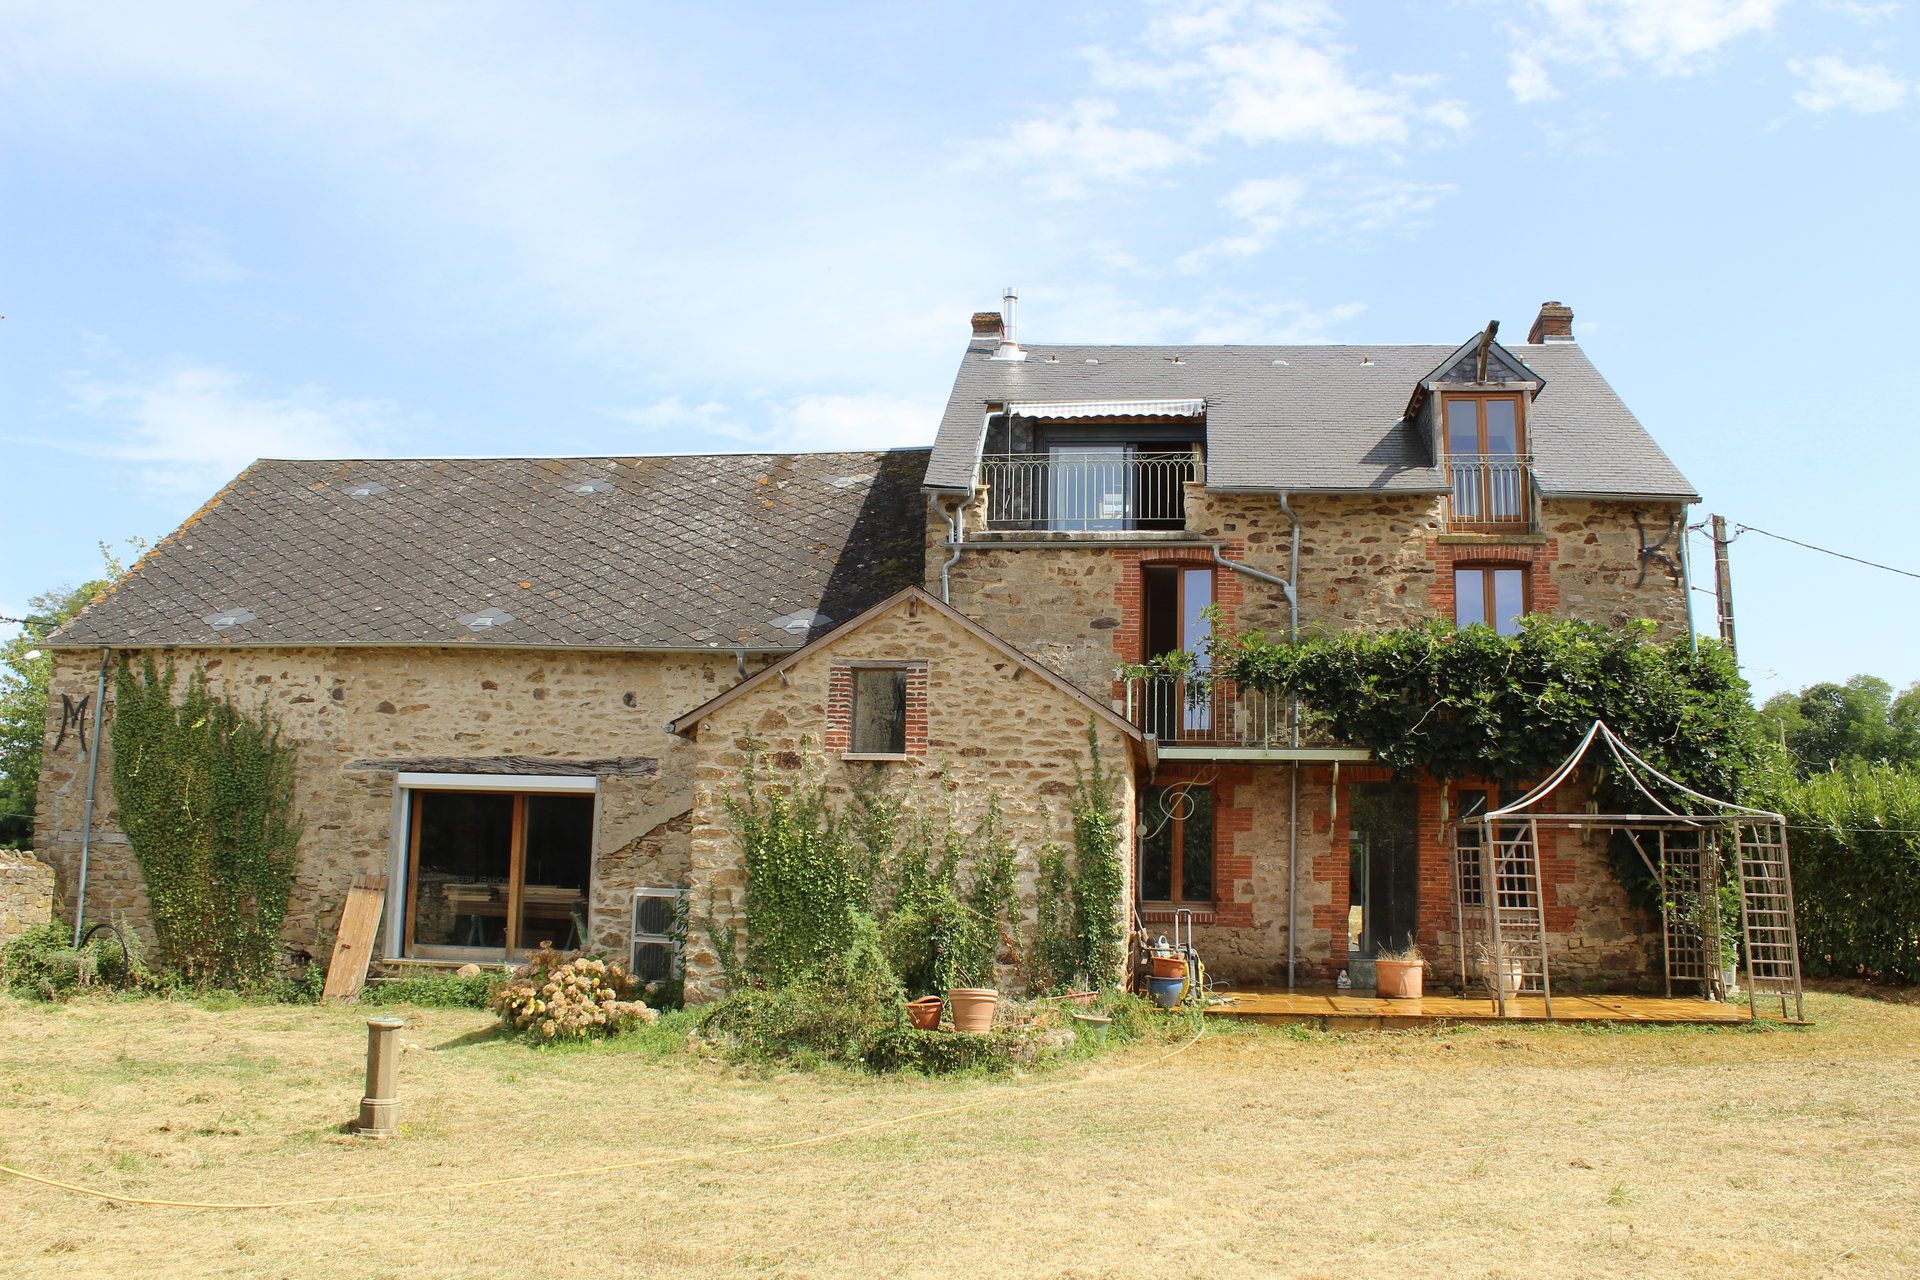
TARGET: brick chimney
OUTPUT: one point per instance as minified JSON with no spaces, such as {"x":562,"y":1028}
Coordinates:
{"x":987,"y":326}
{"x":1553,"y":324}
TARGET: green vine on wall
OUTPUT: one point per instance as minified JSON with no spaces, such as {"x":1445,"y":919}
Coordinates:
{"x":1099,"y":873}
{"x":1468,"y":702}
{"x":205,"y":794}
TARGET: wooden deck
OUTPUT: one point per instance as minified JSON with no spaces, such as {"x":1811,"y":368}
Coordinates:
{"x":1343,"y":1011}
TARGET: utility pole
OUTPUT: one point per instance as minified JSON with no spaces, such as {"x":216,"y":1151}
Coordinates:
{"x":1723,"y":585}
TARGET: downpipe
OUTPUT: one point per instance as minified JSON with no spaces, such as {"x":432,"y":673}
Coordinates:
{"x":1293,"y":719}
{"x":93,"y":782}
{"x":953,"y":540}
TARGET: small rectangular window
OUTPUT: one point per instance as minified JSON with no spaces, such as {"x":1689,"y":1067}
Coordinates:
{"x":1490,"y":596}
{"x":1176,"y":849}
{"x":880,"y":711}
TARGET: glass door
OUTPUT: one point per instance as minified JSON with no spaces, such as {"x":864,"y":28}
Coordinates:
{"x":1090,"y":486}
{"x":1383,"y":866}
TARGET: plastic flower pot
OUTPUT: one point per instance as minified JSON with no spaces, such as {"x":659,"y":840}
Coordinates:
{"x":924,"y":1013}
{"x":1166,"y":991}
{"x":973,"y":1008}
{"x":1169,"y":966}
{"x":1091,"y":1028}
{"x":1398,"y":979}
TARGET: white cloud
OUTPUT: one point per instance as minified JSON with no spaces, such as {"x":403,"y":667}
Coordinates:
{"x":1866,"y":15}
{"x":1204,"y":74}
{"x":1529,"y":81}
{"x":197,"y":254}
{"x":1063,"y":152}
{"x":1835,"y":84}
{"x":1333,"y":206}
{"x":798,"y":423}
{"x":190,"y":427}
{"x":1670,"y":37}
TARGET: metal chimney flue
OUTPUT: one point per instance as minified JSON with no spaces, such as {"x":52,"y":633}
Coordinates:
{"x":1009,"y":348}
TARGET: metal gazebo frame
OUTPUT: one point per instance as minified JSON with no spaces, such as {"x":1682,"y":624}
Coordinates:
{"x":1684,"y":848}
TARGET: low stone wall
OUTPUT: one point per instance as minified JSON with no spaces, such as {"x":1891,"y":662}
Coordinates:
{"x":26,"y":893}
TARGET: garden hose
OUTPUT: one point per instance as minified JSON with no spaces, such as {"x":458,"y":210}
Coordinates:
{"x":552,"y":1175}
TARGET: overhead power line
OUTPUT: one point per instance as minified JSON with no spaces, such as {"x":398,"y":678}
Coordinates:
{"x":1825,"y":551}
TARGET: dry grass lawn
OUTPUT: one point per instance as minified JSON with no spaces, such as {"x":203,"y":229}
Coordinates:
{"x":1485,"y":1152}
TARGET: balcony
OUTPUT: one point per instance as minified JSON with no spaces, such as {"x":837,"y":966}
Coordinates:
{"x":1087,"y":490}
{"x":1183,"y":713}
{"x":1490,"y":493}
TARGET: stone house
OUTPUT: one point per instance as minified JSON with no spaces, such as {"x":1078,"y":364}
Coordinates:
{"x":522,"y":687}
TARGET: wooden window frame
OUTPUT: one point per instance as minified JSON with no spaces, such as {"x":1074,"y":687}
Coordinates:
{"x":1487,"y":568}
{"x":1176,"y":856}
{"x":414,"y":786}
{"x":1480,"y":399}
{"x":1490,"y":489}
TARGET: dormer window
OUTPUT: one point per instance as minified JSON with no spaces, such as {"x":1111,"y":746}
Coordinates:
{"x":1486,"y":458}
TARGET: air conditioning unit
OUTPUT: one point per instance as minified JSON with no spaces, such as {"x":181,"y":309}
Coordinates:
{"x":655,"y":954}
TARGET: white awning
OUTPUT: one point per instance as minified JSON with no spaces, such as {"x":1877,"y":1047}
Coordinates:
{"x":1109,"y":409}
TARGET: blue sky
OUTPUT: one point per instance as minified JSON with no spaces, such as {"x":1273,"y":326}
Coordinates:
{"x":325,"y":230}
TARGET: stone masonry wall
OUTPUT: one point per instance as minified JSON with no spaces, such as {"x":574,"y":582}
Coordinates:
{"x":1372,"y":561}
{"x":342,"y":706}
{"x":993,"y":729}
{"x":26,"y":893}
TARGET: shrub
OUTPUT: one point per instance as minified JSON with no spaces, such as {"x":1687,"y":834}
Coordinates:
{"x":560,"y":995}
{"x":42,"y":964}
{"x":1856,"y":870}
{"x":436,"y":990}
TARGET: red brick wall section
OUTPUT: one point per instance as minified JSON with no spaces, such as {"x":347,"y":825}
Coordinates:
{"x":839,"y":735}
{"x":1544,"y":594}
{"x":839,"y":710}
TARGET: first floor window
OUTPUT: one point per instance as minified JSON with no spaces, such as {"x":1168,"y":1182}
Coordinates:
{"x":1176,"y":846}
{"x":1490,"y":595}
{"x":879,"y":711}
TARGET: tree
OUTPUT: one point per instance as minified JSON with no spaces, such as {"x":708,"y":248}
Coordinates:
{"x":25,"y":668}
{"x":1827,"y":724}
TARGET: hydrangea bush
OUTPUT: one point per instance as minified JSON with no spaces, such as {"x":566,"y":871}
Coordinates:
{"x":565,"y":996}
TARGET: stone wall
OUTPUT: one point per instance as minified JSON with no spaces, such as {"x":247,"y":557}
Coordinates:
{"x":1373,"y":561}
{"x":1597,"y":937}
{"x":26,"y":893}
{"x":993,"y":729}
{"x":346,"y":710}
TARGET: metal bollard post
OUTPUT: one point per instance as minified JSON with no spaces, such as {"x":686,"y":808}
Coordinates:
{"x":379,"y":1109}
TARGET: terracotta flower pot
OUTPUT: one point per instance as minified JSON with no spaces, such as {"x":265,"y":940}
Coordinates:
{"x":1398,"y":979}
{"x":924,"y":1013}
{"x":1165,"y":966}
{"x":1080,"y":999}
{"x":973,"y":1008}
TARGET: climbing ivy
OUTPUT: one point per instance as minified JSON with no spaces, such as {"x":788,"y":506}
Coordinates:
{"x":1457,"y":701}
{"x":205,"y":794}
{"x":1467,"y":701}
{"x":1099,"y":872}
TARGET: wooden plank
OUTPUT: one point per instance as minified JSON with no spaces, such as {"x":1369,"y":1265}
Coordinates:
{"x":353,"y":942}
{"x":1345,"y":1010}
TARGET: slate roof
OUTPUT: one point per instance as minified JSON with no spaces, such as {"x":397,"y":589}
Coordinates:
{"x":1328,"y":418}
{"x":694,"y":552}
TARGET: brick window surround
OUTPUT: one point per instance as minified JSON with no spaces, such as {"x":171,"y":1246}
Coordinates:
{"x":1537,"y":559}
{"x":839,"y":737}
{"x":1129,"y":597}
{"x":1233,"y":889}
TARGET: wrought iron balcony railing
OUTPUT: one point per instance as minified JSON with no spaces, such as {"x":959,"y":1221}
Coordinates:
{"x":1491,"y":492}
{"x":1186,"y":713}
{"x":1087,"y":489}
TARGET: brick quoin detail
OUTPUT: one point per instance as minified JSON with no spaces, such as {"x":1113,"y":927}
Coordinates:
{"x":1543,"y":592}
{"x":839,"y":735}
